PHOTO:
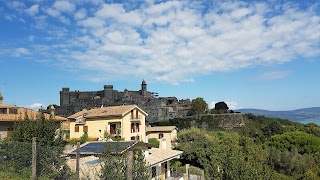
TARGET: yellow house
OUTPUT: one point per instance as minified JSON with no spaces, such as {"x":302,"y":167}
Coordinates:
{"x":165,"y":134}
{"x":127,"y":122}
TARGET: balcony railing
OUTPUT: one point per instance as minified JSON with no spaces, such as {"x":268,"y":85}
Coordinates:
{"x":135,"y":118}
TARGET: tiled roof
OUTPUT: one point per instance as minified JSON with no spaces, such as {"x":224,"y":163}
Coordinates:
{"x":21,"y":111}
{"x":105,"y":111}
{"x":157,"y":155}
{"x":160,"y":128}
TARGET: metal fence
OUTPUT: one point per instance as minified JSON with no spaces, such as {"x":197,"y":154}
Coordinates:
{"x":25,"y":160}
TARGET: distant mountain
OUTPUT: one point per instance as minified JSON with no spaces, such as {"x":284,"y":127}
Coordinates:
{"x":305,"y":115}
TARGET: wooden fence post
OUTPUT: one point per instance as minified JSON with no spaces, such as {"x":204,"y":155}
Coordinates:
{"x":129,"y":164}
{"x":78,"y":161}
{"x":34,"y":159}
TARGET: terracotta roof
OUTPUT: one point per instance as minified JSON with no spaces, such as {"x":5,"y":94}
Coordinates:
{"x":157,"y":155}
{"x":21,"y":111}
{"x":106,"y":111}
{"x":160,"y":128}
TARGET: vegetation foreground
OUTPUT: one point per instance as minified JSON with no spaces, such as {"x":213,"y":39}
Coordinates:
{"x":266,"y":148}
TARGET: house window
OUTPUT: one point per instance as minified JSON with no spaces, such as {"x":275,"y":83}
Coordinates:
{"x":131,"y":114}
{"x":137,"y":127}
{"x":137,"y":114}
{"x":85,"y":128}
{"x":13,"y":111}
{"x":132,"y":128}
{"x":3,"y":110}
{"x":133,"y":138}
{"x":76,"y":128}
{"x":160,"y":136}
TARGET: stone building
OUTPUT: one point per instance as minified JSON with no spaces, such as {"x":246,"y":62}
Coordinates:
{"x":158,"y":108}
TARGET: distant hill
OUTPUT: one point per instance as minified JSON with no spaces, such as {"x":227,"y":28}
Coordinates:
{"x":305,"y":115}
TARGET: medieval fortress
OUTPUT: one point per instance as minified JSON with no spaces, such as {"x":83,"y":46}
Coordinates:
{"x":158,"y":108}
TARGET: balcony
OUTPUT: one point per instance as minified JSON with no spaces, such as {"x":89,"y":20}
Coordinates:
{"x":136,"y":118}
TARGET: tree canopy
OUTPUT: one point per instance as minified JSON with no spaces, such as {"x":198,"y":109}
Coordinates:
{"x":199,"y":105}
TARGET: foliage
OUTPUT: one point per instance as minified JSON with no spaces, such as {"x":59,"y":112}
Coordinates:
{"x":15,"y":157}
{"x":220,"y":108}
{"x":273,"y":128}
{"x":16,"y":154}
{"x":221,"y":105}
{"x":198,"y":105}
{"x":222,"y":156}
{"x":46,"y":131}
{"x":303,"y":142}
{"x":84,"y":138}
{"x":154,"y":142}
{"x":114,"y":166}
{"x":265,"y":148}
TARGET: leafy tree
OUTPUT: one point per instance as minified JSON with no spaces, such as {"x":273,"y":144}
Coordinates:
{"x":114,"y":165}
{"x":222,"y":156}
{"x":49,"y":147}
{"x":303,"y":142}
{"x":199,"y":106}
{"x":221,"y":105}
{"x":154,"y":142}
{"x":273,"y":128}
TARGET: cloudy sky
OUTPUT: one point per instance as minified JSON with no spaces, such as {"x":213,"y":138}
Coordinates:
{"x":251,"y":54}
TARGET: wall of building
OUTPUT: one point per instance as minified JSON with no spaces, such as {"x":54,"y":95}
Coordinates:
{"x":167,"y":135}
{"x":4,"y":129}
{"x":127,"y":134}
{"x":97,"y":127}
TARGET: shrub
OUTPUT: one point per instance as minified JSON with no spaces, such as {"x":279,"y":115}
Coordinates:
{"x":84,"y":138}
{"x":154,"y":142}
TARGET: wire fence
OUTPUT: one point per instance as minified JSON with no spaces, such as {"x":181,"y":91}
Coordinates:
{"x":25,"y":160}
{"x":20,"y":160}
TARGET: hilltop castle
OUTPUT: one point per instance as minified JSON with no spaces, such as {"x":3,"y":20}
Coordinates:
{"x":158,"y":108}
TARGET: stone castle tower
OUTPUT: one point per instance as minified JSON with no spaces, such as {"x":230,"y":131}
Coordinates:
{"x":144,"y":89}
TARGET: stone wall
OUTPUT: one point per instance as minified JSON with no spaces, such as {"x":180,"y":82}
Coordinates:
{"x":210,"y":121}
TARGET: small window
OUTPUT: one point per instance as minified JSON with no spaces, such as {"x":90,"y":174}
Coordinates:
{"x":13,"y":111}
{"x":133,"y":138}
{"x":3,"y":110}
{"x":85,"y":128}
{"x":160,"y":136}
{"x":132,"y":128}
{"x":76,"y":128}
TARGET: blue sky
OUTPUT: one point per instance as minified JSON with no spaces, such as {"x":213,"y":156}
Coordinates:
{"x":250,"y":54}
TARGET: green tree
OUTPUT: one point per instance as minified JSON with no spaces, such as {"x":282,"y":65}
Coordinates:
{"x":199,"y":106}
{"x":223,"y":156}
{"x":114,"y":165}
{"x":303,"y":142}
{"x":154,"y":142}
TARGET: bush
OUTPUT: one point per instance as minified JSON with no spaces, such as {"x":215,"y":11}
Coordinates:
{"x":154,"y":142}
{"x":84,"y":138}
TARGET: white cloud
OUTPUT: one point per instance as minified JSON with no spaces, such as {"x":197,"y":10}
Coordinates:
{"x":21,"y":52}
{"x":31,"y":38}
{"x":174,"y":41}
{"x":35,"y":106}
{"x":80,"y":14}
{"x":63,"y":6}
{"x":33,"y":10}
{"x":271,"y":75}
